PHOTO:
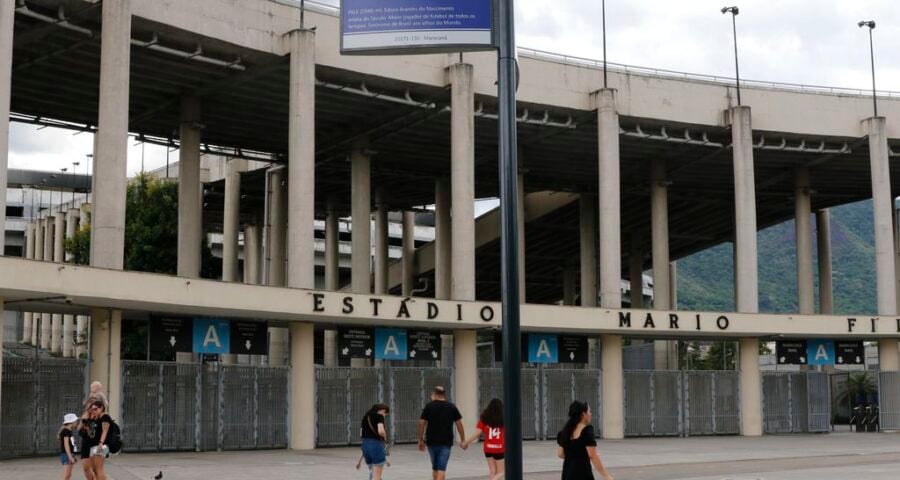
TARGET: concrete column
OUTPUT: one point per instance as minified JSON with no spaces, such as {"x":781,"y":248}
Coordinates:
{"x":35,"y":329}
{"x":38,"y":239}
{"x":28,"y":330}
{"x":803,"y":231}
{"x":252,"y":254}
{"x":462,"y":181}
{"x":636,"y":272}
{"x":190,"y":192}
{"x":613,"y":386}
{"x":568,"y":286}
{"x":883,"y":211}
{"x":7,"y":21}
{"x":588,"y":249}
{"x":381,"y":245}
{"x":56,"y":334}
{"x":105,"y":355}
{"x":332,"y":245}
{"x":610,"y":209}
{"x":659,"y":227}
{"x":111,"y":155}
{"x":610,"y":258}
{"x":302,"y":160}
{"x":745,"y":256}
{"x":442,"y":240}
{"x":81,"y":323}
{"x":673,"y":285}
{"x":465,"y":382}
{"x":276,"y":236}
{"x":231,"y":224}
{"x":361,"y":209}
{"x":68,"y":340}
{"x":520,"y":219}
{"x":72,"y":216}
{"x":303,"y":396}
{"x":330,"y":350}
{"x":409,"y":253}
{"x":277,"y":344}
{"x":59,"y":237}
{"x":751,"y":388}
{"x":746,"y":284}
{"x":46,"y":331}
{"x":49,"y":223}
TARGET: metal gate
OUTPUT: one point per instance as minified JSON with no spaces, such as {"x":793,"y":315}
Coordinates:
{"x":561,"y":387}
{"x":712,"y":403}
{"x":796,"y":402}
{"x":344,"y":394}
{"x":189,"y":406}
{"x":889,"y":396}
{"x":490,"y":385}
{"x":653,"y":403}
{"x":36,"y":395}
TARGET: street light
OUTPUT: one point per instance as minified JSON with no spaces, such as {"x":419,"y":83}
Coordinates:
{"x":74,"y":179}
{"x":871,"y":25}
{"x":87,"y":165}
{"x":737,"y":73}
{"x":63,"y":170}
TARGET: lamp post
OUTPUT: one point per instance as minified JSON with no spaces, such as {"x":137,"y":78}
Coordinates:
{"x":871,"y":25}
{"x":63,"y":172}
{"x":603,"y":15}
{"x":87,"y":165}
{"x":737,"y":72}
{"x":74,"y":179}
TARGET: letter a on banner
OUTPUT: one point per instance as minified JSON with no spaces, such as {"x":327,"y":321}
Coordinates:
{"x":543,"y":349}
{"x":390,"y":344}
{"x":211,"y":335}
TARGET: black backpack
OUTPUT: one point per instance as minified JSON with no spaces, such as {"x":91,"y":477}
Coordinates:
{"x":114,"y":438}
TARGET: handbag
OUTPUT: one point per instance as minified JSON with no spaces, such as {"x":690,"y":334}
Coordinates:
{"x":384,"y":442}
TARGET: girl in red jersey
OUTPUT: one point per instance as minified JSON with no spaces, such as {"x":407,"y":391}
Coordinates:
{"x":490,"y":425}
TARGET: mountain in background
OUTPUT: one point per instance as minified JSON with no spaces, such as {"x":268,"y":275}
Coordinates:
{"x":706,"y":279}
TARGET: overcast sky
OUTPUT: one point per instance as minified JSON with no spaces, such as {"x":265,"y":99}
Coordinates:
{"x":814,"y":42}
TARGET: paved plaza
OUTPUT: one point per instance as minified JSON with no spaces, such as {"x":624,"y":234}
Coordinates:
{"x":788,"y":457}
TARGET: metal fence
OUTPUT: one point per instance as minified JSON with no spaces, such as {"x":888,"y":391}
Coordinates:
{"x":344,"y":394}
{"x":675,"y":403}
{"x":796,"y":402}
{"x":189,"y":406}
{"x":36,"y":395}
{"x":490,"y":385}
{"x":889,"y":396}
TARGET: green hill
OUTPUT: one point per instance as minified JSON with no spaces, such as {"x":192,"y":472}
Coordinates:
{"x":706,"y":279}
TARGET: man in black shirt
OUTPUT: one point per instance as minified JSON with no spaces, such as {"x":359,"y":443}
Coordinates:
{"x":436,"y":431}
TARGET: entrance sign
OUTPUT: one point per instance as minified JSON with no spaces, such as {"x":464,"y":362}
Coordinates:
{"x":543,"y":349}
{"x":791,"y":352}
{"x":211,"y":335}
{"x":170,"y":335}
{"x":423,"y":345}
{"x":249,"y":338}
{"x":355,"y":343}
{"x":849,"y":353}
{"x":393,"y":27}
{"x":390,"y":344}
{"x":573,"y":349}
{"x":820,"y":352}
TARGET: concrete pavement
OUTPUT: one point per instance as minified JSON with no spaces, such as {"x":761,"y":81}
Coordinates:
{"x":787,"y":457}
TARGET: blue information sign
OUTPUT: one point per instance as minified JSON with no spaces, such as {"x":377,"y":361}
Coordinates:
{"x":820,"y":352}
{"x":390,"y":344}
{"x":543,"y":349}
{"x":415,"y":26}
{"x":211,"y":335}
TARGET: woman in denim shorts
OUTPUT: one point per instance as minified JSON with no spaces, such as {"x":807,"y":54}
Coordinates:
{"x":374,"y":440}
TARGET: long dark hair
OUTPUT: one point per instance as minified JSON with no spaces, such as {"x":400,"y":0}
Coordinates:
{"x":378,"y":406}
{"x":576,"y":410}
{"x":492,"y":415}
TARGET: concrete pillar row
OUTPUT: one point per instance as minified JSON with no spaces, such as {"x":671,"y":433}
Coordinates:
{"x":745,"y":254}
{"x":442,"y":239}
{"x":231,"y":222}
{"x":276,"y":236}
{"x":190,"y":191}
{"x":38,"y":239}
{"x":68,"y":336}
{"x":59,"y":237}
{"x":610,"y":257}
{"x":587,"y":222}
{"x":111,"y":141}
{"x":883,"y":211}
{"x":56,"y":333}
{"x":823,"y":247}
{"x":303,"y":377}
{"x":7,"y":22}
{"x":659,"y":226}
{"x":361,"y":210}
{"x":332,"y":247}
{"x":301,"y":249}
{"x":48,"y":227}
{"x":409,"y":253}
{"x":803,"y":233}
{"x":381,"y":244}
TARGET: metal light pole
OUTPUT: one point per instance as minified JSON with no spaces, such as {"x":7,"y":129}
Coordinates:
{"x":87,"y":166}
{"x":603,"y":15}
{"x":871,"y":25}
{"x":737,"y":72}
{"x":75,"y":179}
{"x":509,"y":239}
{"x":63,"y":171}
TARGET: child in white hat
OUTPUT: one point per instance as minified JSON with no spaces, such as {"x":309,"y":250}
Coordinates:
{"x":67,"y":448}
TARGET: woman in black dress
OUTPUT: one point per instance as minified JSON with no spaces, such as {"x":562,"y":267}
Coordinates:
{"x":577,"y":446}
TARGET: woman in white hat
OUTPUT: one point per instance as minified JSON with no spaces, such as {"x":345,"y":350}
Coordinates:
{"x":67,"y":445}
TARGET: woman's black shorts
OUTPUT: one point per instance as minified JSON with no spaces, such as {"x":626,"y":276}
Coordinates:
{"x":495,"y":456}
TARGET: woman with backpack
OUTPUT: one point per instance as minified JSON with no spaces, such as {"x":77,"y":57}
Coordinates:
{"x":578,"y":447}
{"x":96,"y":426}
{"x":374,"y":440}
{"x":490,"y":424}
